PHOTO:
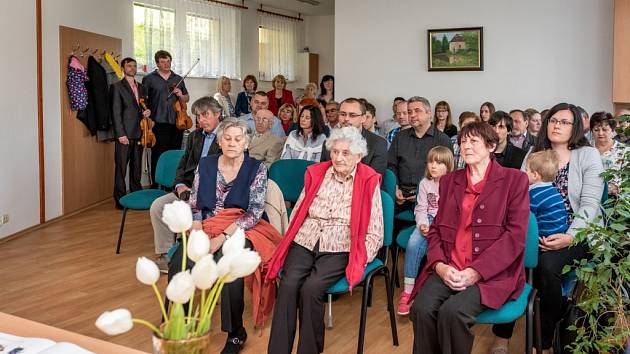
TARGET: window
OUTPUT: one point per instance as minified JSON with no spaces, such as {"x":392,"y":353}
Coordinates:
{"x":277,"y":47}
{"x":188,"y":30}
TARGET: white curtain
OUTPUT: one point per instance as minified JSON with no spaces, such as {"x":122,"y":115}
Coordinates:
{"x":189,"y":29}
{"x":277,"y":46}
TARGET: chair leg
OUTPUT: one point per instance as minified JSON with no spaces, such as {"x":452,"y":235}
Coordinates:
{"x":537,"y":325}
{"x":329,"y":316}
{"x":395,"y":252}
{"x":390,"y":307}
{"x":395,"y":277}
{"x":364,"y":307}
{"x":122,"y":228}
{"x":529,"y":323}
{"x":370,"y":291}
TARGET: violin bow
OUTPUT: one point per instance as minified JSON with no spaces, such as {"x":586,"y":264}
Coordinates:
{"x":184,"y":77}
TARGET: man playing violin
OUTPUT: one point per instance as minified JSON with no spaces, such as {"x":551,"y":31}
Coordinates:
{"x":159,"y":85}
{"x":127,"y":112}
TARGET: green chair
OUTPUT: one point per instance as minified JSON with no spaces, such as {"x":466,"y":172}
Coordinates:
{"x":401,"y":243}
{"x":376,"y":267}
{"x":525,"y":303}
{"x":141,"y":200}
{"x":289,"y":176}
{"x":389,"y":183}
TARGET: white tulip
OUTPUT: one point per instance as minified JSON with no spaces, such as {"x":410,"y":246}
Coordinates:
{"x":181,"y":288}
{"x":198,"y":245}
{"x":178,"y":216}
{"x":244,"y":264}
{"x":234,"y":244}
{"x":223,"y":267}
{"x":115,"y":322}
{"x":205,"y":272}
{"x":147,"y":271}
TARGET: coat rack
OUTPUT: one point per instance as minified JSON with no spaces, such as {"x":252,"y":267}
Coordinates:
{"x":76,"y":51}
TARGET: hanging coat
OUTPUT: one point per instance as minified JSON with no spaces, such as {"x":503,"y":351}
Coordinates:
{"x":75,"y":82}
{"x":98,"y":109}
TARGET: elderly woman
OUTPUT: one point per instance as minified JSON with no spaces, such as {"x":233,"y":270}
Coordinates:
{"x":250,"y":85}
{"x":223,"y":96}
{"x":310,"y":91}
{"x":279,"y":95}
{"x":336,"y":228}
{"x":476,"y":246}
{"x":613,"y":153}
{"x":580,"y":185}
{"x":228,"y":193}
{"x":305,"y":143}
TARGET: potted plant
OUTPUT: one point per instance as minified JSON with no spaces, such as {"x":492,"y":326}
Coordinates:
{"x":186,"y":332}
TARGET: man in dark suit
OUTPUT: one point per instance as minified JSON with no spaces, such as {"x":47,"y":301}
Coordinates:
{"x":519,"y":136}
{"x":506,"y":154}
{"x":126,"y":114}
{"x":352,"y":114}
{"x":202,"y":142}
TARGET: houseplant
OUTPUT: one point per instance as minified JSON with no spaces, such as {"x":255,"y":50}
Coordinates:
{"x":186,"y":332}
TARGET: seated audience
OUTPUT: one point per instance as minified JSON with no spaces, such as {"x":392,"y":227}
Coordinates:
{"x":519,"y":136}
{"x":534,"y":121}
{"x":327,"y":88}
{"x":402,"y":116}
{"x":580,"y":185}
{"x":370,"y":119}
{"x":465,"y":118}
{"x":224,"y":85}
{"x":485,"y":111}
{"x":408,"y":153}
{"x":288,"y":117}
{"x":476,"y":247}
{"x":391,"y":123}
{"x":250,"y":85}
{"x":613,"y":153}
{"x":439,"y":163}
{"x":261,"y":101}
{"x":229,"y":193}
{"x":306,"y":141}
{"x":310,"y":91}
{"x":506,"y":154}
{"x":443,"y":120}
{"x":545,"y":202}
{"x":585,"y":123}
{"x":336,"y":228}
{"x":279,"y":95}
{"x":332,"y":115}
{"x":352,"y":114}
{"x":201,"y":142}
{"x":264,"y":145}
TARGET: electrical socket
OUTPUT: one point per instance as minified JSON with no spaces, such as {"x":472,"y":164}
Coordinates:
{"x":4,"y":219}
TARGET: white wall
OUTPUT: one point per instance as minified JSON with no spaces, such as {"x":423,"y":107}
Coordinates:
{"x":536,"y":53}
{"x":320,"y":39}
{"x":19,"y":193}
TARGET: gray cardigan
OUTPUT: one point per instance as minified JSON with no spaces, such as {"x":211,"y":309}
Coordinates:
{"x":586,"y":186}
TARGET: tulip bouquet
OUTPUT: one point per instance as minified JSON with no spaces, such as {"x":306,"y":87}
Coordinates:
{"x":206,"y":276}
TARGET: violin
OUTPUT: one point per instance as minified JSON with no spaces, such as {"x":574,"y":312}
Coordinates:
{"x":183,"y":120}
{"x":146,"y":125}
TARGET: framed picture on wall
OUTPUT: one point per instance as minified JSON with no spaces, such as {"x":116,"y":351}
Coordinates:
{"x":455,"y":49}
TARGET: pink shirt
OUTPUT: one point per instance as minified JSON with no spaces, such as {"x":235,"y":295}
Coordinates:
{"x":426,"y":201}
{"x":134,"y":86}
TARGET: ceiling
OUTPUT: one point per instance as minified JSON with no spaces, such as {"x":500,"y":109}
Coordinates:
{"x":325,"y":7}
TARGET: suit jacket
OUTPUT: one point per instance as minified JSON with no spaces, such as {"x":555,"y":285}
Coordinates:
{"x":287,"y":97}
{"x":98,"y":96}
{"x":499,"y":229}
{"x":126,"y":113}
{"x":377,"y":152}
{"x":512,"y":156}
{"x":266,"y":148}
{"x":194,"y":146}
{"x":530,"y":141}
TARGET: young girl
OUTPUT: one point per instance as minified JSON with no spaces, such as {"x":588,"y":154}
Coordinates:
{"x":439,"y":163}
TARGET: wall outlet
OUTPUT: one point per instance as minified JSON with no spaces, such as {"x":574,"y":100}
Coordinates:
{"x":4,"y":219}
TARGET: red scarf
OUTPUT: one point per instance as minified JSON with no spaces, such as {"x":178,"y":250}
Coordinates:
{"x":365,"y":182}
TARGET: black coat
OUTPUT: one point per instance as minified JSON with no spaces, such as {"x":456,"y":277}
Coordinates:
{"x":186,"y":169}
{"x":126,"y":113}
{"x":377,"y":152}
{"x":97,"y":114}
{"x":511,"y":157}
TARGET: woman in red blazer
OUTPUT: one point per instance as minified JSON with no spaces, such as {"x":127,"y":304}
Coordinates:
{"x":476,"y":247}
{"x":279,"y":96}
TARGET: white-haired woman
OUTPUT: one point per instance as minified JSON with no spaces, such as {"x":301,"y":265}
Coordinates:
{"x":224,"y":86}
{"x":336,"y":228}
{"x":228,"y":193}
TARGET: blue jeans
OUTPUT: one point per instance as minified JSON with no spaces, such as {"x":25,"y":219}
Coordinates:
{"x":416,"y":250}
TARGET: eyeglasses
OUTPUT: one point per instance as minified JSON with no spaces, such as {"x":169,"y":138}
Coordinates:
{"x":262,"y":120}
{"x":343,"y":114}
{"x":564,"y":123}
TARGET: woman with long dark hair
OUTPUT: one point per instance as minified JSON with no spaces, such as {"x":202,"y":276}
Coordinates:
{"x":306,"y":141}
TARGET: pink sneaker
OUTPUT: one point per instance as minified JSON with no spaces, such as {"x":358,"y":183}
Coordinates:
{"x":404,"y":306}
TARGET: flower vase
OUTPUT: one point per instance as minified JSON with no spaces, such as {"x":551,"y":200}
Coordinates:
{"x":197,"y":345}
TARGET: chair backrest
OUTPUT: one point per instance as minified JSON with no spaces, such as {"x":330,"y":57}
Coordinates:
{"x":389,"y":183}
{"x":388,"y":218}
{"x":531,"y":243}
{"x":289,"y":176}
{"x":166,"y":168}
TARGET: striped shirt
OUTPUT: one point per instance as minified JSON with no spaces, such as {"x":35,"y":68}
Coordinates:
{"x":548,"y":207}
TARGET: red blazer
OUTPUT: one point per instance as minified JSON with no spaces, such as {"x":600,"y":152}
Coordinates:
{"x":287,"y":97}
{"x":499,"y":230}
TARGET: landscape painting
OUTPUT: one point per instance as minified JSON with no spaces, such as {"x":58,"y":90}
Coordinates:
{"x":453,"y":49}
